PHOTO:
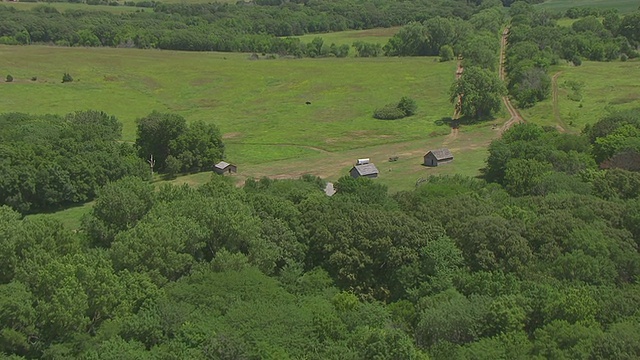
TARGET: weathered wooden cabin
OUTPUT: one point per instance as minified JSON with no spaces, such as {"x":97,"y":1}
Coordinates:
{"x":437,"y":157}
{"x":224,"y":167}
{"x":367,"y":170}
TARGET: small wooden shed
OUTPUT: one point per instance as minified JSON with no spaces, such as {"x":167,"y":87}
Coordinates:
{"x":224,"y":167}
{"x":437,"y":157}
{"x":367,"y":170}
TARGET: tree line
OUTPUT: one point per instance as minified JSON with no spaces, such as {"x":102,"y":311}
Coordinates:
{"x":540,"y":260}
{"x":215,"y":27}
{"x":536,"y":42}
{"x":48,"y":161}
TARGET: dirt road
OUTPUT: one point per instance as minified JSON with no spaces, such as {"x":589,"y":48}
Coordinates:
{"x":455,"y":127}
{"x":515,"y":116}
{"x":561,"y":126}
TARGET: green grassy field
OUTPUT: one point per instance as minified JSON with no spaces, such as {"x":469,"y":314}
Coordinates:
{"x":64,"y":6}
{"x":380,"y":36}
{"x":604,"y":86}
{"x":624,"y":6}
{"x":259,"y":105}
{"x":469,"y":148}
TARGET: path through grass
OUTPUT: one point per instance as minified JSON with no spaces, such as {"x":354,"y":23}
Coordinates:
{"x":587,"y":92}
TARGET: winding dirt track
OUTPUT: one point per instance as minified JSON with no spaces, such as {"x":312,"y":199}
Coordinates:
{"x":455,"y":128}
{"x":561,"y":126}
{"x":513,"y":112}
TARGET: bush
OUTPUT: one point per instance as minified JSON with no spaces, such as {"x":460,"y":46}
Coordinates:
{"x":9,"y":78}
{"x":67,"y":78}
{"x":446,"y":53}
{"x":405,"y":107}
{"x":408,"y":106}
{"x":389,"y":112}
{"x":34,"y":78}
{"x":624,"y":57}
{"x":172,"y":167}
{"x":576,"y":61}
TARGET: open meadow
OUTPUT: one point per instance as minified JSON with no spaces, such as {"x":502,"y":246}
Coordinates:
{"x":259,"y":105}
{"x":623,"y":6}
{"x":585,"y":93}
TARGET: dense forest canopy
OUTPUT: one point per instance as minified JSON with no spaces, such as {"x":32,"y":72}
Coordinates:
{"x":51,"y":161}
{"x":540,"y":260}
{"x":47,"y":161}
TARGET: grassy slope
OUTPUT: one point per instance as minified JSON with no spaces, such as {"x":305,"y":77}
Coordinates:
{"x":606,"y":86}
{"x":624,"y":6}
{"x":259,"y":105}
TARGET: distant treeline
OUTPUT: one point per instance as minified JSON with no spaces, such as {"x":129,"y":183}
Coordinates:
{"x":244,"y":27}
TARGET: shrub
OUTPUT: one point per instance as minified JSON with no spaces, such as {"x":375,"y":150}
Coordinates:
{"x":8,"y":40}
{"x":389,"y":112}
{"x":9,"y":78}
{"x":576,"y":61}
{"x":624,"y":57}
{"x":408,"y":106}
{"x":34,"y":78}
{"x":405,"y":107}
{"x":446,"y":53}
{"x":67,"y":78}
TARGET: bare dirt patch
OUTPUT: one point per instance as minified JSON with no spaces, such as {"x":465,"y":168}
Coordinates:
{"x":381,"y":32}
{"x":232,"y":135}
{"x":201,"y":82}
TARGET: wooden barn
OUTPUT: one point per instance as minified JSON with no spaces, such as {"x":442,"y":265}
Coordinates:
{"x":224,"y":168}
{"x":437,"y":157}
{"x":367,"y":170}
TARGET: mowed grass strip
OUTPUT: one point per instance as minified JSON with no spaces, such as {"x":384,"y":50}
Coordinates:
{"x":260,"y":105}
{"x":623,"y":6}
{"x":604,"y":87}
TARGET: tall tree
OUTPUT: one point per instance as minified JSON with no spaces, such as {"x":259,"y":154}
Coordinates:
{"x":157,"y":133}
{"x":478,"y":91}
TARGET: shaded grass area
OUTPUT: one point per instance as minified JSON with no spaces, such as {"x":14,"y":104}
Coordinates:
{"x":603,"y":87}
{"x":623,"y":6}
{"x":258,"y":105}
{"x":70,"y":217}
{"x":65,"y":6}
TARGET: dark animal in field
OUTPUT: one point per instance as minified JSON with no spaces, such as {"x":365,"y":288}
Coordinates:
{"x":308,"y":103}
